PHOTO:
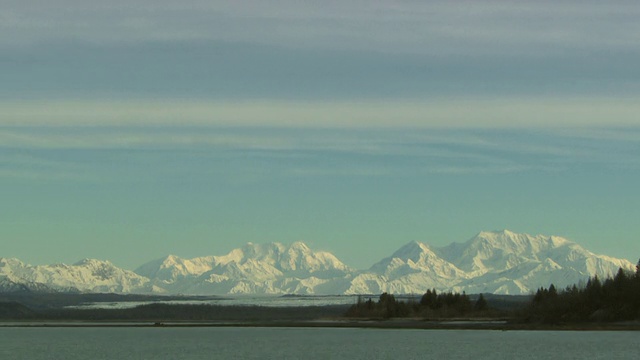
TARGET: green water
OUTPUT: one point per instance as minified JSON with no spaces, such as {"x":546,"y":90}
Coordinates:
{"x":311,"y":343}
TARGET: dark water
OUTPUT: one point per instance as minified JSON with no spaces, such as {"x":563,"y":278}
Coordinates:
{"x":311,"y":343}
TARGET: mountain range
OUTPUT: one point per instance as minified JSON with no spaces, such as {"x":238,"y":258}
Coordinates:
{"x":499,"y":262}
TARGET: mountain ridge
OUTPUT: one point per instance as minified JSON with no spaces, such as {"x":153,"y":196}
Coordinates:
{"x":501,"y":262}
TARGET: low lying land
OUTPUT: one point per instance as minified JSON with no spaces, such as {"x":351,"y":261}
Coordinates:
{"x":53,"y":310}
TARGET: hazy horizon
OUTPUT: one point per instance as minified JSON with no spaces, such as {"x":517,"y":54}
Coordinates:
{"x":133,"y":130}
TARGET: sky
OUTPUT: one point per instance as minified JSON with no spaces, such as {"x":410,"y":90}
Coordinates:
{"x":130,"y":130}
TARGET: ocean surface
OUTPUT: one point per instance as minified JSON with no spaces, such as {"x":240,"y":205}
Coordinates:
{"x":311,"y":343}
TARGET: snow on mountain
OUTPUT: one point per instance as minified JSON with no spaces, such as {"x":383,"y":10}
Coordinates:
{"x":505,"y":258}
{"x":271,"y":268}
{"x":501,"y":262}
{"x":172,"y":268}
{"x":88,"y":275}
{"x":9,"y":282}
{"x":416,"y":257}
{"x":9,"y":286}
{"x":413,"y":268}
{"x":490,"y":251}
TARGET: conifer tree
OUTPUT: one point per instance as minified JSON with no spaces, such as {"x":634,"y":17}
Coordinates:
{"x":481,"y":303}
{"x":428,"y":300}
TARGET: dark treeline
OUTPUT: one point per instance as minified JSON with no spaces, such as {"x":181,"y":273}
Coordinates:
{"x":431,"y":305}
{"x":614,"y":299}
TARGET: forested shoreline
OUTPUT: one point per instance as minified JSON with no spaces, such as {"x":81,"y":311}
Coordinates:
{"x":608,"y":300}
{"x":430,"y":306}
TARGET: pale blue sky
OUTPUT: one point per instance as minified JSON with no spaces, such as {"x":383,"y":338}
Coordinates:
{"x":132,"y":130}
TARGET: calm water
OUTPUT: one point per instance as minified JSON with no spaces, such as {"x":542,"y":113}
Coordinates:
{"x":312,"y":343}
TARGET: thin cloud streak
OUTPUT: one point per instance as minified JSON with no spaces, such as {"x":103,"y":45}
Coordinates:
{"x":433,"y":113}
{"x":32,"y":167}
{"x":132,"y":151}
{"x":441,"y":143}
{"x":629,"y":135}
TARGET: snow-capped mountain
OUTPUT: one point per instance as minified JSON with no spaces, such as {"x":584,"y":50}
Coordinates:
{"x":255,"y":268}
{"x":414,"y":266}
{"x":88,"y":275}
{"x":519,"y":263}
{"x":9,"y":286}
{"x":500,"y":262}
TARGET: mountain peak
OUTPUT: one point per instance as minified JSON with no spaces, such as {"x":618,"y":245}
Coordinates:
{"x":92,"y":262}
{"x":506,"y":239}
{"x":300,"y":246}
{"x":11,"y":262}
{"x":172,"y":258}
{"x":505,"y":233}
{"x":411,"y":250}
{"x":499,"y":232}
{"x":259,"y":251}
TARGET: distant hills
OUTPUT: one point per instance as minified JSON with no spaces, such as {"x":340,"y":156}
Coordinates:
{"x":500,"y":262}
